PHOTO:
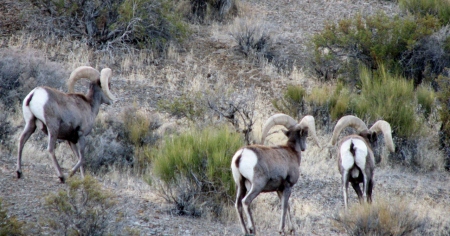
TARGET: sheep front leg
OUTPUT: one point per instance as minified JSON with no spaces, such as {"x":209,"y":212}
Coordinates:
{"x":77,"y":154}
{"x":80,"y":150}
{"x":286,"y":211}
{"x":51,"y":150}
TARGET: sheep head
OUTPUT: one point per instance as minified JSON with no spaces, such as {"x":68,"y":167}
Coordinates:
{"x":296,"y":132}
{"x":370,"y":135}
{"x":94,"y":76}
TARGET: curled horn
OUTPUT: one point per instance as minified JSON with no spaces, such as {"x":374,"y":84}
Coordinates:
{"x":309,"y":122}
{"x":277,"y":119}
{"x":385,"y":128}
{"x":105,"y":76}
{"x":345,"y":122}
{"x":81,"y":72}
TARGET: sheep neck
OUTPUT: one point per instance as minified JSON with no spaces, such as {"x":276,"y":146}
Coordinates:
{"x":94,"y":96}
{"x":295,"y":146}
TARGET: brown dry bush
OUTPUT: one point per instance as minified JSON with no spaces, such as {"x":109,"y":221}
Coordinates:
{"x":22,"y":71}
{"x":204,"y":10}
{"x":83,"y":208}
{"x":382,"y":217}
{"x":108,"y":25}
{"x":120,"y":141}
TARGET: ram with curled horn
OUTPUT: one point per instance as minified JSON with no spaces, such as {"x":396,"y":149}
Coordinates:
{"x":356,"y":160}
{"x":258,"y":168}
{"x":65,"y":116}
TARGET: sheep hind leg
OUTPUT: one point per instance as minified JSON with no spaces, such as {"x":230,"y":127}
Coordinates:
{"x":29,"y":129}
{"x":251,"y":195}
{"x":358,"y":191}
{"x":369,"y":191}
{"x":345,"y":181}
{"x":240,"y":193}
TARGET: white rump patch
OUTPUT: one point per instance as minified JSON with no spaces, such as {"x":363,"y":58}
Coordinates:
{"x":348,"y":160}
{"x":361,"y":153}
{"x":346,"y":156}
{"x":247,"y":164}
{"x":36,"y":105}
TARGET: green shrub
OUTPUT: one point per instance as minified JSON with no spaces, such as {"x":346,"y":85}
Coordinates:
{"x":443,"y":97}
{"x":381,"y":218}
{"x":380,"y":98}
{"x":377,"y":98}
{"x":340,"y":48}
{"x":9,"y":225}
{"x":81,"y":209}
{"x":200,"y":159}
{"x":437,"y":8}
{"x":292,"y":102}
{"x":426,"y":99}
{"x":188,"y":106}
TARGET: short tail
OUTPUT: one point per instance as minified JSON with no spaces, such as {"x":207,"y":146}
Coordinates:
{"x":352,"y":148}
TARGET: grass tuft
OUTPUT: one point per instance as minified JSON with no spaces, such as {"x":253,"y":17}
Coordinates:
{"x":381,"y":218}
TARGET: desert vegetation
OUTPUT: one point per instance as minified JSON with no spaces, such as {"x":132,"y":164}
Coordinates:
{"x":195,"y":80}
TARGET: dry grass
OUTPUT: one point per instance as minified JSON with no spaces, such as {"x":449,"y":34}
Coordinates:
{"x":383,"y":217}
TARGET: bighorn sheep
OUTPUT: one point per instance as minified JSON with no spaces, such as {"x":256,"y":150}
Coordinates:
{"x":356,"y":159}
{"x":65,"y":116}
{"x":258,"y":168}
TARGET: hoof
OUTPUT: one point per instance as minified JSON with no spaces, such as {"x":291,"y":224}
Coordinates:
{"x":19,"y":174}
{"x":62,"y":179}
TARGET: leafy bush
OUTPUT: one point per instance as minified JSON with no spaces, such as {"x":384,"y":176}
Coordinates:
{"x":81,"y":209}
{"x":381,"y":218}
{"x":200,"y":160}
{"x":340,"y":48}
{"x":9,"y":225}
{"x":437,"y":8}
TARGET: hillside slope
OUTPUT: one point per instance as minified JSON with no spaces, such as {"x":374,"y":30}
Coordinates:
{"x":316,"y":199}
